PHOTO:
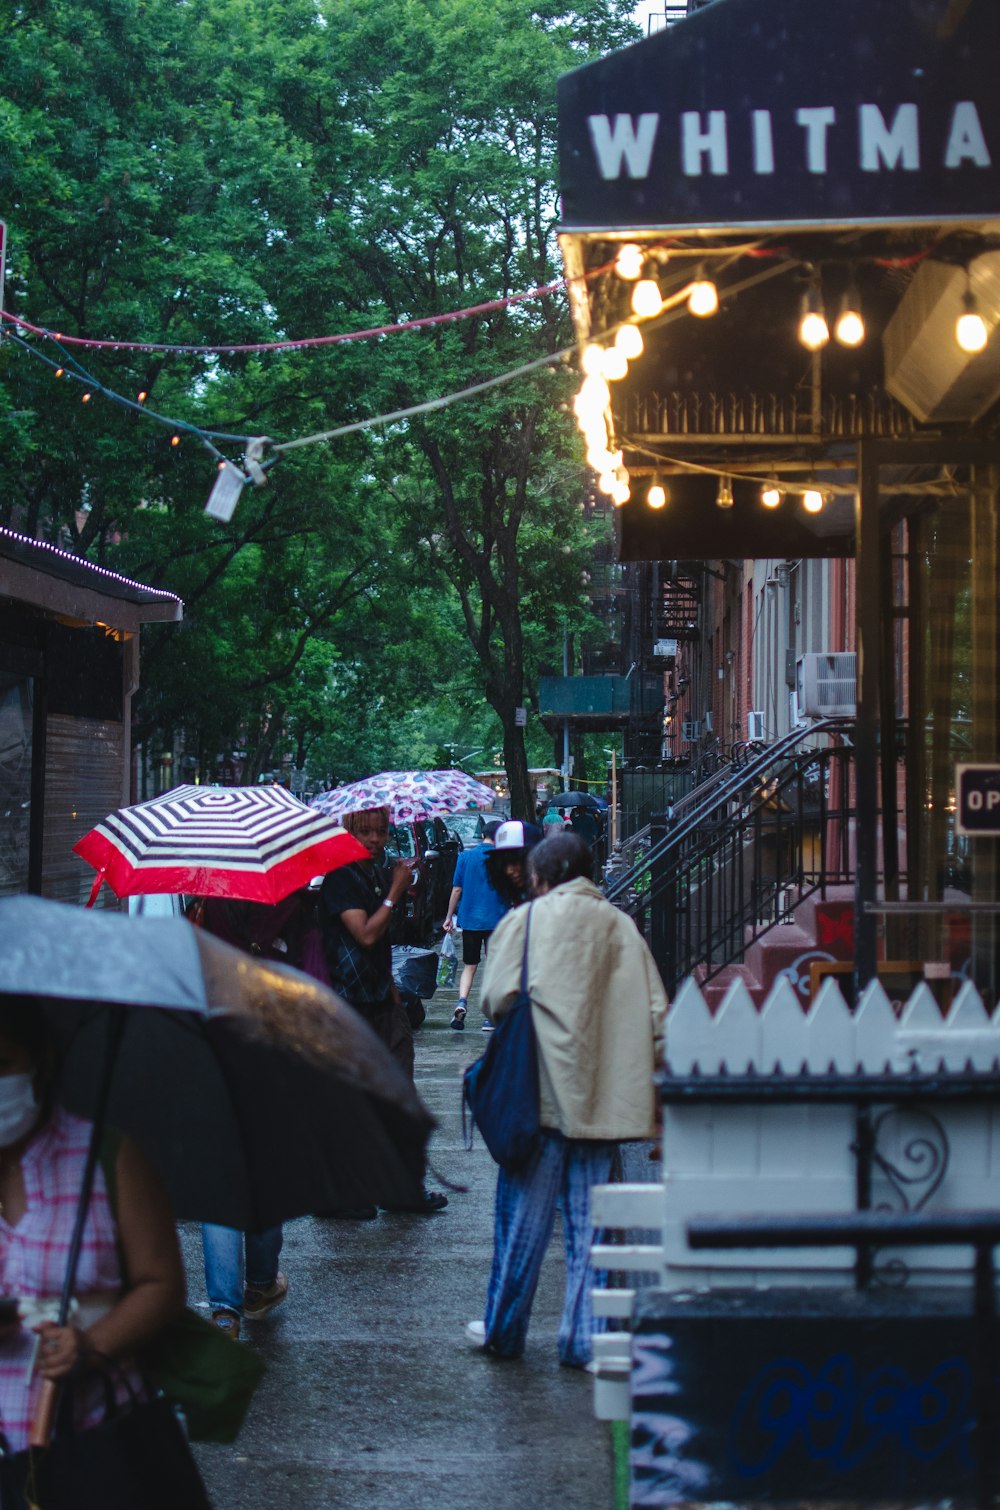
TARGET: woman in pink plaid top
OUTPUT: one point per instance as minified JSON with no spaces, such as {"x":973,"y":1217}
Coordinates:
{"x":42,"y":1155}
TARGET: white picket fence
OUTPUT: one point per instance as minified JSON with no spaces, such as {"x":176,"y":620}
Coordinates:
{"x":729,"y":1159}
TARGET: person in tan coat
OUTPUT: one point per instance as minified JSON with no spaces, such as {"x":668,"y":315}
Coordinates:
{"x":598,"y":1008}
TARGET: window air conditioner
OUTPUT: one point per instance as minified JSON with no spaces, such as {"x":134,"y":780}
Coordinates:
{"x":755,"y":726}
{"x":826,"y":684}
{"x":690,"y":730}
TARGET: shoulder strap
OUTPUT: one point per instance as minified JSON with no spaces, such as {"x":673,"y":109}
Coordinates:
{"x":524,"y":957}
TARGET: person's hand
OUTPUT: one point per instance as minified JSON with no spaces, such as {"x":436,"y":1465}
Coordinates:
{"x":447,"y":925}
{"x":402,"y":880}
{"x":60,"y":1349}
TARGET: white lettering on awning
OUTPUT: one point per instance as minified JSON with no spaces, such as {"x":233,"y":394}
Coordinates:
{"x":816,"y":122}
{"x":710,"y":143}
{"x":623,"y":144}
{"x":763,"y":142}
{"x":966,"y":142}
{"x":884,"y":146}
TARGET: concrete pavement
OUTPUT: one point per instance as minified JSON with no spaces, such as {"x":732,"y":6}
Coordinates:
{"x":373,"y":1400}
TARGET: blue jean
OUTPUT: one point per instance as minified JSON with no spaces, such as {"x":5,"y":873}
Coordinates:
{"x":226,"y":1270}
{"x":560,"y":1174}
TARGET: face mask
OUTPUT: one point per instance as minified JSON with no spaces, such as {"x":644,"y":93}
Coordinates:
{"x":18,"y":1107}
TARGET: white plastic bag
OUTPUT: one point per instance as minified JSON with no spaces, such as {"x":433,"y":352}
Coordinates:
{"x":448,"y":963}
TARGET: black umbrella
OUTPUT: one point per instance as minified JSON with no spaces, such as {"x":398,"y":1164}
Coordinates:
{"x":257,"y":1094}
{"x":574,"y":799}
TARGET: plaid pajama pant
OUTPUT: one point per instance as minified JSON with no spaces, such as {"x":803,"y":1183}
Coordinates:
{"x":561,"y":1173}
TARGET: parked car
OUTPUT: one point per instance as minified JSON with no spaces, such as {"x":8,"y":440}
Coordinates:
{"x":467,"y":828}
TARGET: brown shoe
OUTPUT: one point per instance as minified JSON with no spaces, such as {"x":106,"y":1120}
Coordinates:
{"x":228,"y":1323}
{"x":257,"y":1303}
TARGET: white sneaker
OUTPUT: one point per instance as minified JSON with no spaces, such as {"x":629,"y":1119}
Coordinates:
{"x":475,"y":1332}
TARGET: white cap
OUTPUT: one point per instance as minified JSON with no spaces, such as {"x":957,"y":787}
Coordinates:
{"x":510,"y":835}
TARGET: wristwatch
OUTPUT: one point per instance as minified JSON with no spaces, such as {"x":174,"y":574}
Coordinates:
{"x":388,"y":902}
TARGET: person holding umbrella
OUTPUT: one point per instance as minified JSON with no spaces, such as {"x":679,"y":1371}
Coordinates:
{"x":355,"y":906}
{"x":43,"y":1150}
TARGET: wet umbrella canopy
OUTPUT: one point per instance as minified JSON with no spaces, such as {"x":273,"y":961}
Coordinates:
{"x":574,"y":799}
{"x":257,"y":1093}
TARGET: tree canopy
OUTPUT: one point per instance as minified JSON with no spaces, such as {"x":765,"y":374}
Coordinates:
{"x":217,"y":174}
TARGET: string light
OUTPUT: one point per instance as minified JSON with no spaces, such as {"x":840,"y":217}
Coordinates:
{"x":814,"y":333}
{"x":141,"y":396}
{"x":85,"y":398}
{"x":849,"y":328}
{"x":628,"y":263}
{"x":629,"y":342}
{"x":812,"y":500}
{"x":90,"y":566}
{"x":970,"y":327}
{"x":591,"y":358}
{"x":60,"y":372}
{"x":724,"y":494}
{"x":703,"y":298}
{"x":647,"y":301}
{"x":614,"y":364}
{"x":175,"y":440}
{"x":621,"y":493}
{"x":770,"y":495}
{"x":657,"y":495}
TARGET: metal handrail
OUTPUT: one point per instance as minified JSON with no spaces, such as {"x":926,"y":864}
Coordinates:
{"x":737,"y":779}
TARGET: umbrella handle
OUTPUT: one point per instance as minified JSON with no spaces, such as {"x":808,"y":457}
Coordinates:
{"x":41,"y":1421}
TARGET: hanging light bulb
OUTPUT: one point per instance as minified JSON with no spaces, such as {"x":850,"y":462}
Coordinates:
{"x":703,"y":298}
{"x":814,"y":332}
{"x":85,"y":398}
{"x":614,"y":364}
{"x":657,"y":495}
{"x":175,"y":440}
{"x":970,"y":327}
{"x":628,"y":340}
{"x":621,"y":493}
{"x":142,"y":396}
{"x":628,"y":263}
{"x":591,"y":358}
{"x":812,"y":500}
{"x":647,"y":300}
{"x":849,"y":329}
{"x":770,"y":495}
{"x":60,"y":372}
{"x":724,"y":495}
{"x":607,"y":482}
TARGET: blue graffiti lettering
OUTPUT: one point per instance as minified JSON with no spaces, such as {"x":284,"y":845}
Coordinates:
{"x":839,"y":1418}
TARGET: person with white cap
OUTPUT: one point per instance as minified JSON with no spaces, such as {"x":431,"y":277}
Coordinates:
{"x":507,"y":869}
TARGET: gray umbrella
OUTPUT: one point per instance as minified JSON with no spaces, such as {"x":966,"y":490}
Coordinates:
{"x":256,"y":1092}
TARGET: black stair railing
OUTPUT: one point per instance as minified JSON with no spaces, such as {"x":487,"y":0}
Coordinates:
{"x":776,"y":830}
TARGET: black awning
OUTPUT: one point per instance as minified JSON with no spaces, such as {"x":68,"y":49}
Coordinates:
{"x":789,"y":112}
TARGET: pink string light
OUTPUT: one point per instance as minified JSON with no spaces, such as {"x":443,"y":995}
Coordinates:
{"x":103,"y":571}
{"x":424,"y":322}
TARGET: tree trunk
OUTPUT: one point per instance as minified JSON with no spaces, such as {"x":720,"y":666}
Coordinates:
{"x":515,"y":759}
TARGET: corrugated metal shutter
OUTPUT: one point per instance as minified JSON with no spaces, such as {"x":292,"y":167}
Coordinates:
{"x":84,"y":765}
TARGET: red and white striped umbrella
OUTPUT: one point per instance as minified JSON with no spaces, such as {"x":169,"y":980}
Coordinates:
{"x":254,"y":844}
{"x":410,"y":796}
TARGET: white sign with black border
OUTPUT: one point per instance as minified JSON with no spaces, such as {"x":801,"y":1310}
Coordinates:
{"x":977,"y":800}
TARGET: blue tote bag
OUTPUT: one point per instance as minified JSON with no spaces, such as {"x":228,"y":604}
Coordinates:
{"x":501,"y":1088}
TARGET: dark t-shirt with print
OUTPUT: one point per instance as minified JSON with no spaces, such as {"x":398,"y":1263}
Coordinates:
{"x":361,"y":976}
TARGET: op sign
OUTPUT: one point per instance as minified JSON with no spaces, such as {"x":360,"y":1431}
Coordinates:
{"x":978,"y":799}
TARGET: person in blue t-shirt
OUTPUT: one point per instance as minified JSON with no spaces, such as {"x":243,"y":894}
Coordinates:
{"x":478,"y":908}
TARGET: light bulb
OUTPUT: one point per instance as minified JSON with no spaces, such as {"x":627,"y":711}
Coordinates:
{"x":629,"y":341}
{"x":614,"y":364}
{"x":703,"y":298}
{"x":85,"y":398}
{"x":770,"y":495}
{"x":142,"y":396}
{"x":646,"y":299}
{"x":607,"y":482}
{"x":849,"y":329}
{"x":814,"y":332}
{"x":175,"y":440}
{"x":813,"y":329}
{"x":628,"y":263}
{"x":60,"y":372}
{"x":621,"y":494}
{"x":591,"y":358}
{"x":812,"y":500}
{"x":724,"y":495}
{"x":657,"y":496}
{"x":970,"y":327}
{"x":599,"y":457}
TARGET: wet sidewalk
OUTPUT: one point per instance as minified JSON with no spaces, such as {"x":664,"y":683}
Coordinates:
{"x":373,"y":1400}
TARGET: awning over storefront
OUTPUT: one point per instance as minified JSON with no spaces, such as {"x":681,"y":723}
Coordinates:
{"x":791,"y":154}
{"x":791,"y":112}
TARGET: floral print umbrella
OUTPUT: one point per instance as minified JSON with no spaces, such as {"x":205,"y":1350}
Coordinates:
{"x":410,"y":796}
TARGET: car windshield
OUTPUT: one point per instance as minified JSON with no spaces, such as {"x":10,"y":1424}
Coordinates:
{"x":466,"y":826}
